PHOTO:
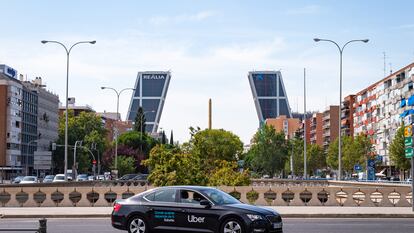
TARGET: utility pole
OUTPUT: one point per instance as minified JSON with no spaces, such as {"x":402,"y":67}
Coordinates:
{"x":209,"y":114}
{"x":305,"y":173}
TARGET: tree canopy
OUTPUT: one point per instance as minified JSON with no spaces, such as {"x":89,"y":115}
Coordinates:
{"x":397,"y":150}
{"x":269,"y":151}
{"x":86,"y":127}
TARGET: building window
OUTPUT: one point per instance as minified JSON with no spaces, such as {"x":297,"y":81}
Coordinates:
{"x":17,"y":124}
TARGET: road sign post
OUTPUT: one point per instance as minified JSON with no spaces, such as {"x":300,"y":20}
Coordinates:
{"x":408,"y":141}
{"x":412,"y":182}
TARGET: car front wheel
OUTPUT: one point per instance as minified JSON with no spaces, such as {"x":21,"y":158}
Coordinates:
{"x":232,"y":226}
{"x":137,"y":225}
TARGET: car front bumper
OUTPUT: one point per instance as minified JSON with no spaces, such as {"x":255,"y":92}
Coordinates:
{"x":265,"y":226}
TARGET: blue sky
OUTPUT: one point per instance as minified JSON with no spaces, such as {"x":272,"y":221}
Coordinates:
{"x":209,"y":46}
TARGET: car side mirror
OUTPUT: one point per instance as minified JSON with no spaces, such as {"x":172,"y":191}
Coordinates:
{"x":205,"y":203}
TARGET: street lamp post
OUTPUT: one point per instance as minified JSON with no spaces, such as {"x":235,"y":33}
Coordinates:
{"x":27,"y":156}
{"x":118,"y":93}
{"x":67,"y":87}
{"x":341,"y":50}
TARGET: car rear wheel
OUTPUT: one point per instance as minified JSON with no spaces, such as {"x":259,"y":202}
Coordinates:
{"x":232,"y":226}
{"x":137,"y":225}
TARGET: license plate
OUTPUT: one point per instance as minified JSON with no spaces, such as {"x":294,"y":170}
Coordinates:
{"x":277,"y":225}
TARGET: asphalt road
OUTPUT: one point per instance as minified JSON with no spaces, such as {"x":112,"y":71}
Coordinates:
{"x":291,"y":225}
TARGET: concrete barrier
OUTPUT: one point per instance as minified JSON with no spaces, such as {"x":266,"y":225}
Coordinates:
{"x":261,"y":192}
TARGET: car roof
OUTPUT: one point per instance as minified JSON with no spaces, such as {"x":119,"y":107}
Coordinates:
{"x":197,"y":188}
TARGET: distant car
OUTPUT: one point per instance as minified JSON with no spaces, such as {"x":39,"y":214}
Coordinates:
{"x":48,"y":179}
{"x":409,"y":180}
{"x":29,"y":180}
{"x":90,"y":178}
{"x":59,"y":178}
{"x":100,"y":177}
{"x":128,"y":177}
{"x":141,"y":177}
{"x":82,"y":177}
{"x":192,"y":209}
{"x":395,"y":179}
{"x":18,"y":179}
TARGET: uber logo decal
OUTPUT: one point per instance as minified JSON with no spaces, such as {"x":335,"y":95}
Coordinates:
{"x":193,"y":218}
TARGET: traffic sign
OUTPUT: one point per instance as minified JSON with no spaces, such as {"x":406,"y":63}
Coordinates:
{"x":93,"y":162}
{"x":408,"y":120}
{"x":408,"y":141}
{"x":357,"y":168}
{"x":408,"y":131}
{"x":409,"y":152}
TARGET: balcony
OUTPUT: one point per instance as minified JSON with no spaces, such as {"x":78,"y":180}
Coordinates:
{"x":326,"y":126}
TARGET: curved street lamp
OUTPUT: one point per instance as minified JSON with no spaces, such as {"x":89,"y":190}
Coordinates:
{"x":67,"y":86}
{"x":341,"y":50}
{"x":118,"y":93}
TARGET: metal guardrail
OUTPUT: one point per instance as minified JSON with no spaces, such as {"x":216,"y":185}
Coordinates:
{"x":42,"y":228}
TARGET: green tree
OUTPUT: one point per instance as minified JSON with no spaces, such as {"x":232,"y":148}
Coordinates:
{"x":137,"y":141}
{"x":332,"y":155}
{"x":296,"y":148}
{"x":354,"y":151}
{"x":86,"y":127}
{"x":216,"y":144}
{"x":225,"y":173}
{"x":163,"y":138}
{"x":172,"y":139}
{"x":269,"y":151}
{"x":140,"y":121}
{"x":315,"y":158}
{"x":170,"y":166}
{"x":126,"y":165}
{"x":397,"y":150}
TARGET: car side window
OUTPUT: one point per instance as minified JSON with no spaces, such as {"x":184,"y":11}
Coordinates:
{"x":188,"y":196}
{"x":164,"y":195}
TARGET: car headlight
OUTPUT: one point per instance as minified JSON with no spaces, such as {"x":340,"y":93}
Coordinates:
{"x":254,"y":217}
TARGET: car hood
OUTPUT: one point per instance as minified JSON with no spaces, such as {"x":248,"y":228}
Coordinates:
{"x":257,"y":209}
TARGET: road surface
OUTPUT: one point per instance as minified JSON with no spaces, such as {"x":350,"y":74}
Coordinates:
{"x":103,"y":225}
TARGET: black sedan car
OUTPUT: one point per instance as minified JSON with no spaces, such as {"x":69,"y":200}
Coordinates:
{"x":192,"y":209}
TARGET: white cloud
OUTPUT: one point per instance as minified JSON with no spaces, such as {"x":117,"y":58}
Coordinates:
{"x":200,"y":16}
{"x":305,"y":10}
{"x":405,"y":26}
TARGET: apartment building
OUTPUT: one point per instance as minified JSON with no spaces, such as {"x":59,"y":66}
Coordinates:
{"x":47,"y":125}
{"x":380,"y":107}
{"x":316,"y":129}
{"x":283,"y":124}
{"x":330,"y":125}
{"x":11,"y":106}
{"x":28,"y":124}
{"x":347,"y":116}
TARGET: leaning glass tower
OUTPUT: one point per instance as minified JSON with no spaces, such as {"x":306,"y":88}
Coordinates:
{"x":269,"y":94}
{"x":150,"y":92}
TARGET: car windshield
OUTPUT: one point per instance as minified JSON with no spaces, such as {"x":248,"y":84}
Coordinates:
{"x":29,"y":179}
{"x":128,"y":176}
{"x":220,"y":197}
{"x":60,"y":177}
{"x":49,"y":177}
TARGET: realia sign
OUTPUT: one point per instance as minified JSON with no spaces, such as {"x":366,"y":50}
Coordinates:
{"x":153,"y":76}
